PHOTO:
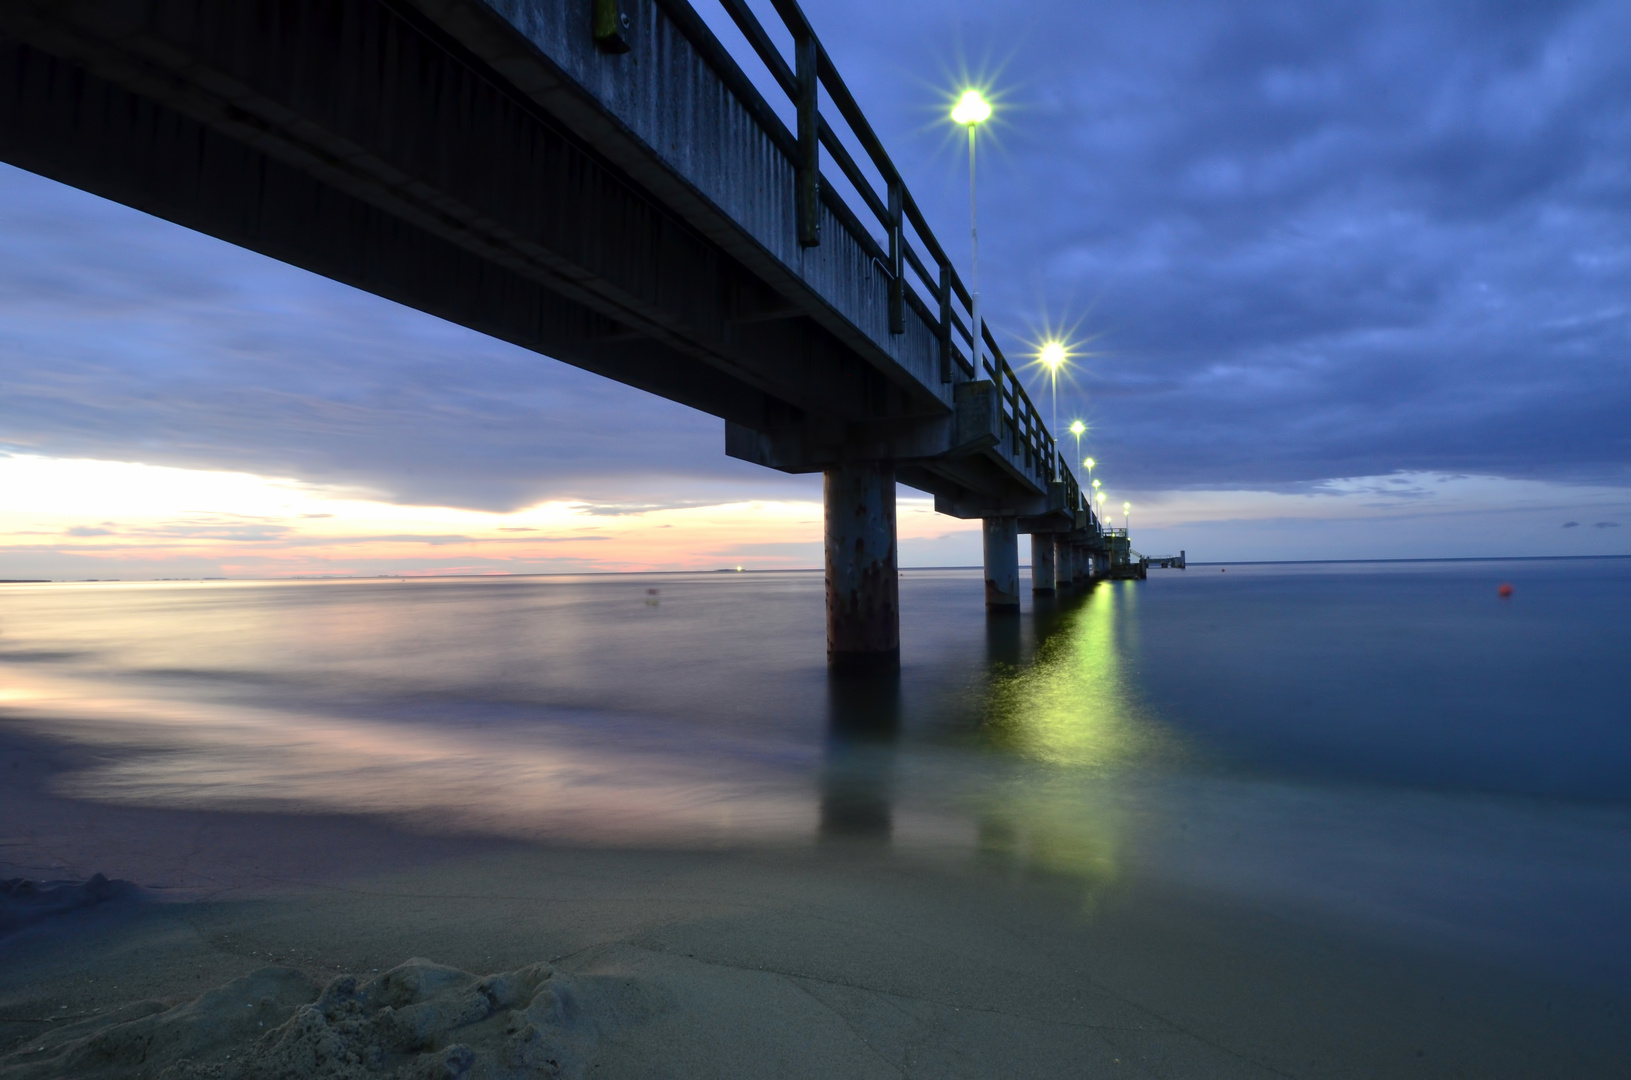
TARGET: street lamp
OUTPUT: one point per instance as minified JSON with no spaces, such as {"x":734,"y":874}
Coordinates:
{"x":971,"y":111}
{"x":1127,"y":517}
{"x":1100,"y":498}
{"x":1089,"y":462}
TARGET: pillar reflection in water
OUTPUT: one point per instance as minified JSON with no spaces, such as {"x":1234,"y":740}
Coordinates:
{"x":1070,"y":722}
{"x":857,"y":777}
{"x":1005,"y":639}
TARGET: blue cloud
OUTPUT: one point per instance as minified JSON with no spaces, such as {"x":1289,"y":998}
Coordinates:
{"x":1308,"y":241}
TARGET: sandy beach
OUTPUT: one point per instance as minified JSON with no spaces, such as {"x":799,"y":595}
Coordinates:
{"x":839,"y":958}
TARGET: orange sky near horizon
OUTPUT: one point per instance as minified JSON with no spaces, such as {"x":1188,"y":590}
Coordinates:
{"x":95,"y":519}
{"x":73,"y":519}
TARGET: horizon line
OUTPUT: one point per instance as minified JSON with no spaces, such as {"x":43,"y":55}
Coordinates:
{"x":788,"y":570}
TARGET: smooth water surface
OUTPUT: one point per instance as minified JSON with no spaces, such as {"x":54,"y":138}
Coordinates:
{"x":1386,"y":746}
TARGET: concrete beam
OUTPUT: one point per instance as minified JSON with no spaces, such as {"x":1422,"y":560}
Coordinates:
{"x":359,"y":140}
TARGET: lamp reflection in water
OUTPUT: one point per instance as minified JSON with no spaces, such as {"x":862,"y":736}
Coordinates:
{"x":1071,"y":723}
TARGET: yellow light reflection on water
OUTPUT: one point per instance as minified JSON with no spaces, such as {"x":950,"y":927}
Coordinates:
{"x":1075,"y":704}
{"x":1074,"y":715}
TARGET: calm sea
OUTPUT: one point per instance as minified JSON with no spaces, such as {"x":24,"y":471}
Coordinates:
{"x":1387,"y":745}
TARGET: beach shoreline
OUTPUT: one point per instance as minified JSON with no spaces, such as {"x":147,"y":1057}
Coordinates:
{"x":837,"y":958}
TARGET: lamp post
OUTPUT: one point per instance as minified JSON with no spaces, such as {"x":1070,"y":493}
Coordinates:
{"x":971,"y":110}
{"x":1076,"y":429}
{"x":1089,"y":463}
{"x":1052,"y":357}
{"x":1127,"y":517}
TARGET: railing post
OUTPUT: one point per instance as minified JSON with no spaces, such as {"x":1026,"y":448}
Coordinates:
{"x":809,"y":164}
{"x":897,"y":261}
{"x":945,"y":324}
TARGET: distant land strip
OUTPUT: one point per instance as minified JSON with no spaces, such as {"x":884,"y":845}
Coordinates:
{"x":808,"y":570}
{"x":1458,"y":558}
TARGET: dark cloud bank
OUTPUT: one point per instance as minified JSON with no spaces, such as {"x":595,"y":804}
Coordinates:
{"x":1310,"y":240}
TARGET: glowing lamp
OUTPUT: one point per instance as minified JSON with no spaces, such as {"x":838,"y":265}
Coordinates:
{"x":971,"y":108}
{"x":1076,"y":428}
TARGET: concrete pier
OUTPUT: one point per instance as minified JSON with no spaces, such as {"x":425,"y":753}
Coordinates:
{"x":863,"y":586}
{"x":1043,"y":569}
{"x":1001,"y":563}
{"x":689,"y":248}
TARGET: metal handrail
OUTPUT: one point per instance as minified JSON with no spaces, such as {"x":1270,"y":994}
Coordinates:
{"x":894,"y":210}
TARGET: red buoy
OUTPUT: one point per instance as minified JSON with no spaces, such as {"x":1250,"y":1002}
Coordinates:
{"x":1505,"y":590}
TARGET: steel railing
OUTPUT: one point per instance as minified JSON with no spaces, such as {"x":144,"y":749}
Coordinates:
{"x":938,"y":296}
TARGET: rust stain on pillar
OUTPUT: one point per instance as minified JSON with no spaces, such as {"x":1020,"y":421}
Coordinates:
{"x":863,"y":585}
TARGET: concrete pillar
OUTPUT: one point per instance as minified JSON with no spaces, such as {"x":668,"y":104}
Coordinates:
{"x":863,"y":587}
{"x":1002,"y":563}
{"x":1064,"y":569}
{"x":1084,"y":563}
{"x":1043,"y":570}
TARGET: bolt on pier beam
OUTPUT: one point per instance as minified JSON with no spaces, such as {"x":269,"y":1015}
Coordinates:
{"x":1001,"y":564}
{"x":863,"y":586}
{"x":1043,"y":570}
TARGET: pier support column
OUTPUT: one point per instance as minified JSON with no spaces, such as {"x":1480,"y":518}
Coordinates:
{"x":863,"y":587}
{"x":1001,"y":564}
{"x":1063,"y":570}
{"x":1043,"y":570}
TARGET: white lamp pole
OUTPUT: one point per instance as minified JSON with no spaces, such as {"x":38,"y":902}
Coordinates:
{"x":1053,"y":358}
{"x":971,"y":110}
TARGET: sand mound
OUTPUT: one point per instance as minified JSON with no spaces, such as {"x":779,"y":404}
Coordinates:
{"x":23,"y":901}
{"x":417,"y":1021}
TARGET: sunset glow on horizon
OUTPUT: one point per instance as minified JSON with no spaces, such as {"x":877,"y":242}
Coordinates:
{"x":75,"y":518}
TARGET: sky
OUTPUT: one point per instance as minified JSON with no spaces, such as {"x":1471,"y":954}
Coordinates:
{"x":1342,"y":281}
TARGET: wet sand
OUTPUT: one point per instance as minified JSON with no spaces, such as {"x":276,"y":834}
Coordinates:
{"x":843,"y":957}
